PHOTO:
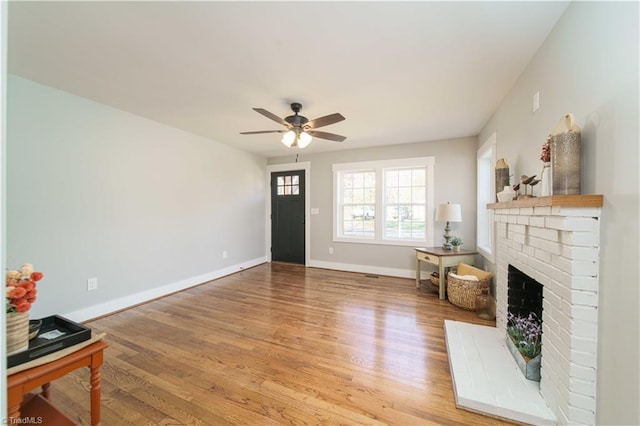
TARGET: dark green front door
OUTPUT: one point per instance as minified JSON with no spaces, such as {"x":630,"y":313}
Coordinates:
{"x":287,"y":216}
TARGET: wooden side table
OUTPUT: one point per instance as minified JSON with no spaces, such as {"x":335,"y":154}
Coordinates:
{"x":442,"y":259}
{"x":23,"y":382}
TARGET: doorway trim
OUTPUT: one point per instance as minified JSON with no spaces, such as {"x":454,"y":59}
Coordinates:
{"x":306,"y":166}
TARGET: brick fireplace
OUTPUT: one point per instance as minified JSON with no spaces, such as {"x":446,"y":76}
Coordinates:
{"x":554,"y":241}
{"x":558,"y":246}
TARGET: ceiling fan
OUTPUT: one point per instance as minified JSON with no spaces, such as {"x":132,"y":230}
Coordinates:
{"x":299,"y":129}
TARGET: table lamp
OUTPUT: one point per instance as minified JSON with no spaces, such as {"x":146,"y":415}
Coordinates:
{"x":448,"y":213}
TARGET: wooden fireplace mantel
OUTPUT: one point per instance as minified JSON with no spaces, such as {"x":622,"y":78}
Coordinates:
{"x":552,"y":201}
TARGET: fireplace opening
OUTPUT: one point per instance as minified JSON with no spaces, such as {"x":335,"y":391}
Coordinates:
{"x":524,"y":322}
{"x":524,"y":294}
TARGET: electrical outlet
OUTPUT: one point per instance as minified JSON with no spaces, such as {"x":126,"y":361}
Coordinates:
{"x":92,"y":284}
{"x":330,"y":250}
{"x":225,"y":254}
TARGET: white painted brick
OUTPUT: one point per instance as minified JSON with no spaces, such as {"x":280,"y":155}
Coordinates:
{"x":529,"y":251}
{"x":549,"y":393}
{"x":544,"y":233}
{"x":542,"y":255}
{"x":572,"y":223}
{"x":563,"y":319}
{"x":576,"y":211}
{"x":584,"y":329}
{"x":542,"y":211}
{"x":519,"y":238}
{"x":580,"y":416}
{"x":526,"y":211}
{"x":582,"y":387}
{"x":516,"y":228}
{"x":569,"y":275}
{"x":591,"y":254}
{"x":563,"y":292}
{"x":587,"y":239}
{"x":575,"y":267}
{"x":584,"y":345}
{"x":523,"y":259}
{"x":584,"y":373}
{"x":553,"y":300}
{"x":499,"y":218}
{"x":549,"y":325}
{"x":549,"y":246}
{"x":583,"y":313}
{"x":537,"y":221}
{"x":580,"y":283}
{"x":563,"y":365}
{"x":551,"y":285}
{"x":584,"y":359}
{"x":514,"y":211}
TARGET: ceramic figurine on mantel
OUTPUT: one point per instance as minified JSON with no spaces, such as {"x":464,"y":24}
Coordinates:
{"x":528,"y":181}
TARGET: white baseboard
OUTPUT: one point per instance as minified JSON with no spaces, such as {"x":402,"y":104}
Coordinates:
{"x":145,"y":296}
{"x":366,"y":269}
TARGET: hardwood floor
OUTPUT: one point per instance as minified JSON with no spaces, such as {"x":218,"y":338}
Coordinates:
{"x":277,"y":344}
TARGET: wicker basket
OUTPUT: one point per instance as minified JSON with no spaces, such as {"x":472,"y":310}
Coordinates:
{"x":435,"y":279}
{"x":462,"y":293}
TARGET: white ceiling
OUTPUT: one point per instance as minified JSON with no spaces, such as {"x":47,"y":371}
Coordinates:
{"x":399,"y":72}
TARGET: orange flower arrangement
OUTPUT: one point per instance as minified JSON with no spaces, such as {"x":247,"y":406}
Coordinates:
{"x":21,"y":288}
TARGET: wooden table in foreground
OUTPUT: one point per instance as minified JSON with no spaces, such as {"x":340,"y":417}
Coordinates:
{"x":23,"y":382}
{"x":442,"y":259}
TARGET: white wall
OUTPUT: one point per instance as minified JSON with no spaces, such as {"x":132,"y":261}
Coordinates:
{"x":455,"y":176}
{"x":589,"y":66}
{"x":97,"y":192}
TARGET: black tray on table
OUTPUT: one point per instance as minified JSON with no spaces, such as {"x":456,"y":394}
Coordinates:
{"x":73,"y":333}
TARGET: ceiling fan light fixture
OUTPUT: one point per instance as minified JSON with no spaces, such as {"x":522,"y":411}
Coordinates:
{"x":288,"y":138}
{"x":304,"y":140}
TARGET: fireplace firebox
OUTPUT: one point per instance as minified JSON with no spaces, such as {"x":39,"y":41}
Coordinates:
{"x":524,"y":294}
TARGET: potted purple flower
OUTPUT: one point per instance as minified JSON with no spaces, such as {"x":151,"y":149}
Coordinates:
{"x":524,"y":339}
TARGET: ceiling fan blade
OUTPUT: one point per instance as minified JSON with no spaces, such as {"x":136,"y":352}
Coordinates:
{"x":325,"y":135}
{"x":262,"y":131}
{"x":325,"y":121}
{"x":272,"y":116}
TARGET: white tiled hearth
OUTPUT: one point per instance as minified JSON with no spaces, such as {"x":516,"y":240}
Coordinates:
{"x":486,"y":379}
{"x":554,"y":240}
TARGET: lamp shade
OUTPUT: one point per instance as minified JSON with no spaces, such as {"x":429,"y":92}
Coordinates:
{"x":449,"y":213}
{"x":288,"y":138}
{"x":304,"y":139}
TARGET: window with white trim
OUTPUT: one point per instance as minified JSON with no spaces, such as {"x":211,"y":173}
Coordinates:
{"x":384,"y":202}
{"x":486,"y":159}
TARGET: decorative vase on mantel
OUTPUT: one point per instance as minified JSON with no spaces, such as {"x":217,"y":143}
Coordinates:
{"x":545,"y":180}
{"x":566,"y":157}
{"x":502,"y":175}
{"x":530,"y":367}
{"x":17,"y":332}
